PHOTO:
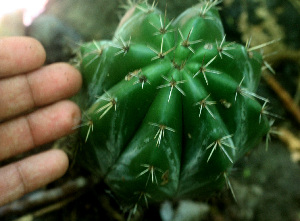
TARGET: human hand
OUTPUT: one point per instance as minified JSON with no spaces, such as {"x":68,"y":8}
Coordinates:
{"x":32,"y":113}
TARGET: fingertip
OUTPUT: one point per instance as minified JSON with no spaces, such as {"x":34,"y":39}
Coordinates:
{"x":76,"y":78}
{"x":43,"y":168}
{"x":54,"y":82}
{"x":60,"y":162}
{"x":20,"y":55}
{"x":54,"y":121}
{"x":74,"y":116}
{"x":31,"y":173}
{"x":75,"y":72}
{"x":41,"y":126}
{"x":35,"y":45}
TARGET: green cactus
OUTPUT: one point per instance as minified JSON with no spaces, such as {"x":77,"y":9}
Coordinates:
{"x":169,"y":106}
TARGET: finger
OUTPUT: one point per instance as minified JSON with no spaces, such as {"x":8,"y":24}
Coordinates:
{"x":31,"y":173}
{"x":43,"y":86}
{"x":20,"y":55}
{"x":40,"y":127}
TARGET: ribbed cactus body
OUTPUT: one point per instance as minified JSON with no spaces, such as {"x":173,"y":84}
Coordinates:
{"x":169,"y":106}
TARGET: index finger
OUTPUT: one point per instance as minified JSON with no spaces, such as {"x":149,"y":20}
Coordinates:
{"x":20,"y":55}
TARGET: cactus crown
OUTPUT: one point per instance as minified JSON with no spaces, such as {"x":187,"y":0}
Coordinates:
{"x":169,"y":105}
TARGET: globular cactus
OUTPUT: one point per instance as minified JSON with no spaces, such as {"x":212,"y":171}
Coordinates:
{"x":169,"y":105}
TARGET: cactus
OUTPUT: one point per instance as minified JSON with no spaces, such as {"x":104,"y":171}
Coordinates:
{"x":168,"y":105}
